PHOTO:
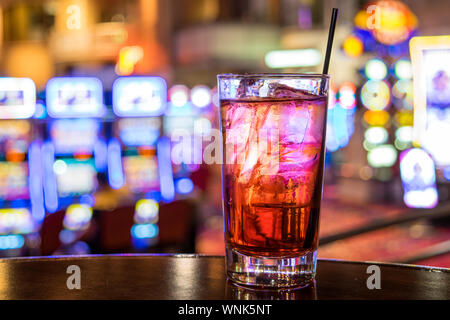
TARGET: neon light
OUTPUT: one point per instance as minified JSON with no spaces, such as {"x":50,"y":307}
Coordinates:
{"x":404,"y":134}
{"x":35,"y":181}
{"x":144,"y":231}
{"x":135,"y":132}
{"x":40,"y":112}
{"x":16,"y":220}
{"x":77,"y":217}
{"x":402,"y":91}
{"x":100,"y":155}
{"x":68,"y":97}
{"x":115,"y":174}
{"x":278,"y":59}
{"x":418,"y":179}
{"x":50,"y":188}
{"x":146,"y":211}
{"x":17,"y":98}
{"x":446,"y":173}
{"x":179,"y":95}
{"x":391,"y":22}
{"x":353,"y":46}
{"x":139,"y":96}
{"x":201,"y":96}
{"x":128,"y":58}
{"x":67,"y":236}
{"x":376,"y":69}
{"x":339,"y":127}
{"x":87,"y":199}
{"x":376,"y":135}
{"x":59,"y":167}
{"x":184,"y":186}
{"x":382,"y":156}
{"x":376,"y":95}
{"x":403,"y":69}
{"x":165,"y":169}
{"x":347,"y":98}
{"x":12,"y":241}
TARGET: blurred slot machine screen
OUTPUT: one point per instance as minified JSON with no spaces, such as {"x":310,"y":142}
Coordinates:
{"x":75,"y":177}
{"x":139,"y":96}
{"x":134,"y":132}
{"x":74,"y":97}
{"x":17,"y":98}
{"x":430,"y":57}
{"x":141,"y":173}
{"x":74,"y":135}
{"x":13,"y":180}
{"x":15,"y":136}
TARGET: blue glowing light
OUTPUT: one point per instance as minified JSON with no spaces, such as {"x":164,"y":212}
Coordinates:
{"x":340,"y":127}
{"x":50,"y":187}
{"x":165,"y":169}
{"x":17,"y":98}
{"x":418,"y":176}
{"x":184,"y":186}
{"x":35,"y":182}
{"x":144,"y":231}
{"x":73,"y":135}
{"x":135,"y":132}
{"x":40,"y":112}
{"x":101,"y":155}
{"x":87,"y":199}
{"x":446,"y":173}
{"x":139,"y":96}
{"x":68,"y":97}
{"x":12,"y":241}
{"x":77,"y":217}
{"x":115,"y":174}
{"x":201,"y":96}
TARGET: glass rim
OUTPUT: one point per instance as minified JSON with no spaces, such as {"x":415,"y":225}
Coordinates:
{"x":272,"y":75}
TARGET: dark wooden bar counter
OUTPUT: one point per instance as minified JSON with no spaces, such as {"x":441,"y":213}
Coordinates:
{"x":194,"y":277}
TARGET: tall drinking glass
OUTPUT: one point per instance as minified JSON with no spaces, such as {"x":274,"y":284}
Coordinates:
{"x":273,"y":128}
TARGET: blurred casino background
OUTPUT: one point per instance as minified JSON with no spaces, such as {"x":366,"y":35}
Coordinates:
{"x":91,"y":91}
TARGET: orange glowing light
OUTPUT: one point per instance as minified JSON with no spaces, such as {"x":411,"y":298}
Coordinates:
{"x":353,"y":46}
{"x":82,"y":156}
{"x":128,"y":58}
{"x":146,"y":151}
{"x":376,"y":118}
{"x":390,"y":22}
{"x":14,"y":156}
{"x":394,"y":22}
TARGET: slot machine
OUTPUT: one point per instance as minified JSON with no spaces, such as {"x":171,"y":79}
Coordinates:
{"x":139,"y":159}
{"x":430,"y":58}
{"x":21,"y":195}
{"x":74,"y":160}
{"x":188,"y":121}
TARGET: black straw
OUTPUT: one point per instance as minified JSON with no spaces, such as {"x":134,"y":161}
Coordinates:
{"x":330,"y":40}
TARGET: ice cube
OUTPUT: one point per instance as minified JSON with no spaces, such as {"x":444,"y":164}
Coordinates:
{"x":283,"y":91}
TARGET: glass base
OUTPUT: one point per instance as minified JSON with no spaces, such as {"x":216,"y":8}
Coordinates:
{"x":271,"y":272}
